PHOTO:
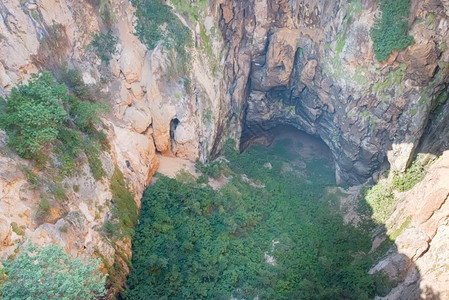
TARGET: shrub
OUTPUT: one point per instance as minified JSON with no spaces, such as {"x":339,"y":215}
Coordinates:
{"x":105,"y":45}
{"x":407,"y":180}
{"x":390,"y":32}
{"x":50,"y":273}
{"x":59,"y":192}
{"x":43,"y":209}
{"x":156,"y":22}
{"x":92,"y":151}
{"x":33,"y":115}
{"x":125,"y":212}
{"x":381,"y":200}
{"x":42,"y":114}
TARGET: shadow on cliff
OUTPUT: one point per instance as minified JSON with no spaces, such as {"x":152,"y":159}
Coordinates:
{"x":395,"y":275}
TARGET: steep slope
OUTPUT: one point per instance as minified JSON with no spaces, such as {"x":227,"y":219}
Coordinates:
{"x":308,"y":64}
{"x":152,"y":110}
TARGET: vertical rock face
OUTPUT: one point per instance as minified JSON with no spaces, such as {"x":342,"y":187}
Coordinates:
{"x":145,"y":100}
{"x":305,"y":63}
{"x":310,"y":64}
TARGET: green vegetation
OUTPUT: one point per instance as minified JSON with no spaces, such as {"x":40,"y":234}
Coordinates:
{"x":381,"y":200}
{"x":407,"y":180}
{"x":383,"y":284}
{"x":401,"y":228}
{"x":33,"y":115}
{"x":105,"y":45}
{"x":43,"y":209}
{"x":393,"y":80}
{"x":124,"y":211}
{"x":44,"y":115}
{"x":193,"y":242}
{"x":19,"y":230}
{"x":50,"y":273}
{"x":189,"y":8}
{"x":390,"y":32}
{"x":156,"y":23}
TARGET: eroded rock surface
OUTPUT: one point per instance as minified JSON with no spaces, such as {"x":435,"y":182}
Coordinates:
{"x":311,"y":65}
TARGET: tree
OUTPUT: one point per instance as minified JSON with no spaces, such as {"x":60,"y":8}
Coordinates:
{"x":390,"y":32}
{"x":50,"y":273}
{"x":33,"y":115}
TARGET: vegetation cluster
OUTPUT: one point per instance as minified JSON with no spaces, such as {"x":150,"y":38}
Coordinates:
{"x":272,"y":233}
{"x":156,"y":22}
{"x":390,"y":31}
{"x":381,"y":198}
{"x":44,"y":116}
{"x":50,"y":273}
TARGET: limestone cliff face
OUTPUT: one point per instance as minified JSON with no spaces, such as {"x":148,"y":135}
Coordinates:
{"x":305,"y":63}
{"x":310,"y":64}
{"x":151,"y":112}
{"x":419,"y":259}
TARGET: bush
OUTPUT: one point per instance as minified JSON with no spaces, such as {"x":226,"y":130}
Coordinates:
{"x":34,"y":114}
{"x":50,"y":273}
{"x":43,"y":209}
{"x":42,"y":114}
{"x":125,"y":212}
{"x":105,"y":45}
{"x":407,"y":180}
{"x":390,"y":32}
{"x":381,"y":200}
{"x":156,"y":22}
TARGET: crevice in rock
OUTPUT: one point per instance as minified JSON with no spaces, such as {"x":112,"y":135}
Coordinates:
{"x":173,"y":125}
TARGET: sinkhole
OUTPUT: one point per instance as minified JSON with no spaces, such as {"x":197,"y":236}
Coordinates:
{"x":273,"y":230}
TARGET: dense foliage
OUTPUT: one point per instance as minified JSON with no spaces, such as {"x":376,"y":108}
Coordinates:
{"x":382,"y":201}
{"x":124,"y":211}
{"x":390,"y":32}
{"x":50,"y":273}
{"x":156,"y":22}
{"x":33,"y":115}
{"x":44,"y":114}
{"x":193,"y":242}
{"x":407,"y":180}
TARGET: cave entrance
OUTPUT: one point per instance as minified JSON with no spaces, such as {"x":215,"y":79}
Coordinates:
{"x":300,"y":145}
{"x":173,"y":125}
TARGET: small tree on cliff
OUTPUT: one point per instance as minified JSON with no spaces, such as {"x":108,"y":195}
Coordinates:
{"x":50,"y":273}
{"x":33,"y":115}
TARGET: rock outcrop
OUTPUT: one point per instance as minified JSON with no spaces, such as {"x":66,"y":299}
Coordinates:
{"x":146,"y":102}
{"x":419,"y":260}
{"x":308,"y":64}
{"x":311,"y":65}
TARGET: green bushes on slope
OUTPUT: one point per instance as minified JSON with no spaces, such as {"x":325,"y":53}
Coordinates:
{"x":43,"y":115}
{"x":50,"y":273}
{"x":156,"y":23}
{"x":407,"y":180}
{"x":390,"y":32}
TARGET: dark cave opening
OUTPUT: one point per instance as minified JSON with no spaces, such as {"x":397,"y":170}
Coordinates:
{"x":303,"y":145}
{"x":173,"y":125}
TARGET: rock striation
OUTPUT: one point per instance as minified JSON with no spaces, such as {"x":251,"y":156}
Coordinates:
{"x":256,"y":64}
{"x":310,"y":64}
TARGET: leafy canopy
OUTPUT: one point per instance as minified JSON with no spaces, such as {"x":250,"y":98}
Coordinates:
{"x":390,"y":32}
{"x":33,"y":114}
{"x":50,"y":273}
{"x":44,"y":114}
{"x":193,"y":242}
